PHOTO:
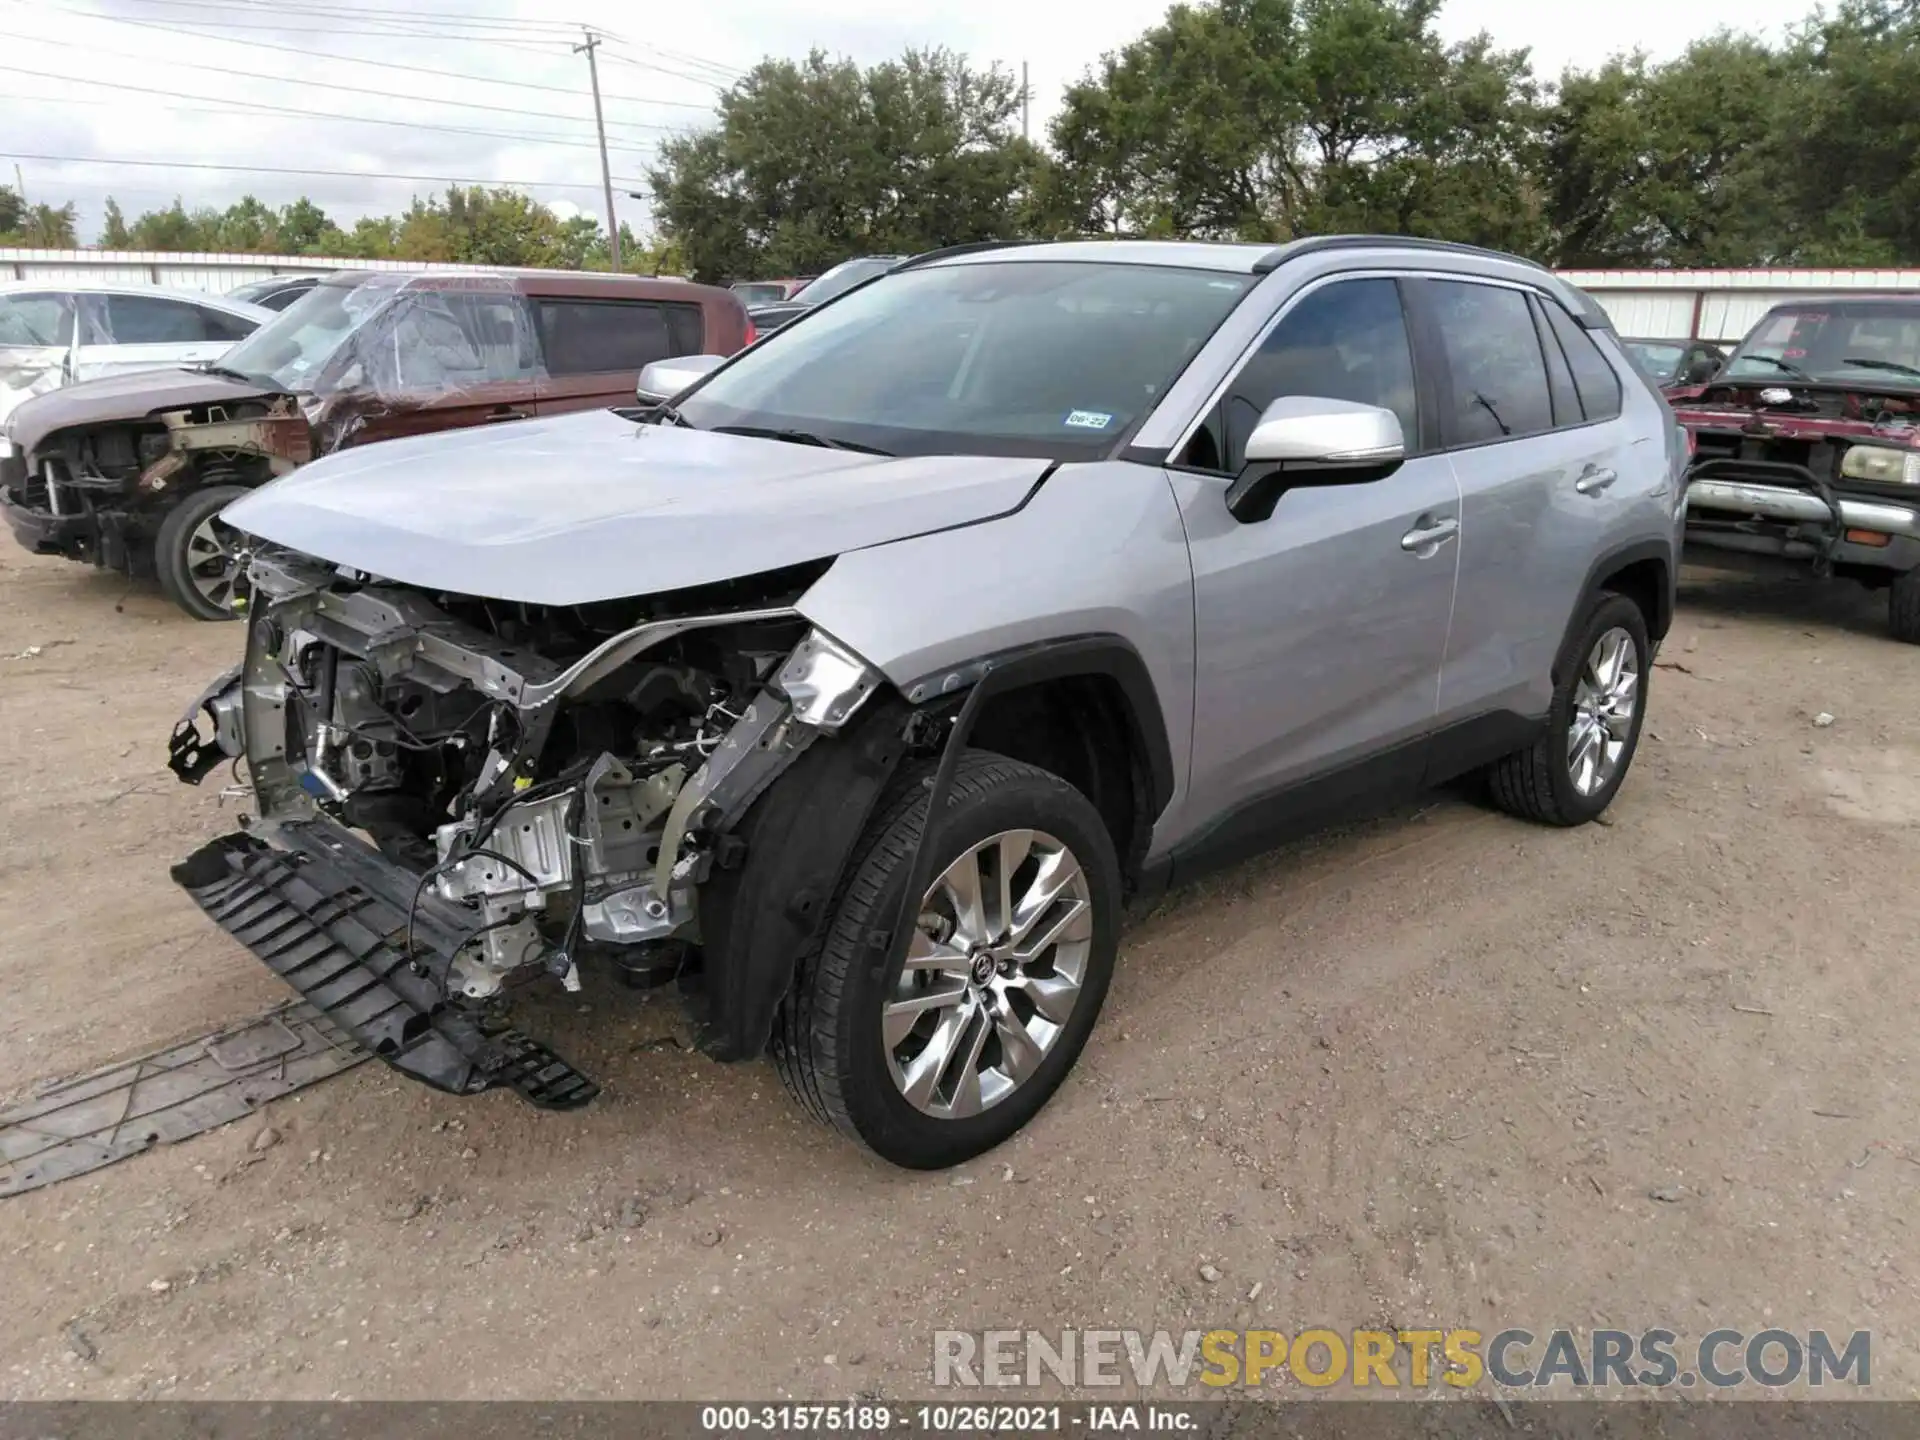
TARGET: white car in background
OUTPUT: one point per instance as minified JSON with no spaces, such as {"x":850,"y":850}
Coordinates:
{"x":53,"y":333}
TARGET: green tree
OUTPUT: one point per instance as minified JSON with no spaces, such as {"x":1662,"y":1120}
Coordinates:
{"x":248,"y":226}
{"x":168,"y":229}
{"x":113,"y":227}
{"x":1676,"y":164}
{"x":11,"y":210}
{"x":49,"y":227}
{"x":1849,"y":151}
{"x":1266,"y":119}
{"x":819,"y":160}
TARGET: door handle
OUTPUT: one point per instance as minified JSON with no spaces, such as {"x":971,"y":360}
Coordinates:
{"x":1594,"y":479}
{"x":1427,"y":537}
{"x":507,"y":412}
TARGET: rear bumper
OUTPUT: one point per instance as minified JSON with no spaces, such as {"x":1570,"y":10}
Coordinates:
{"x":339,"y":923}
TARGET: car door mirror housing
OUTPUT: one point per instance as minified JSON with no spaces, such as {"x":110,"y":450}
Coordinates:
{"x":664,"y":379}
{"x":1314,"y":440}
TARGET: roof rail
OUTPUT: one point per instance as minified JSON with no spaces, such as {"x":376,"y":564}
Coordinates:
{"x":1273,"y":259}
{"x":972,"y":247}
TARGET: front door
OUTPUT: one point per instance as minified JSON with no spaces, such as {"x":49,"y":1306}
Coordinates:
{"x":439,"y":360}
{"x":1320,"y":630}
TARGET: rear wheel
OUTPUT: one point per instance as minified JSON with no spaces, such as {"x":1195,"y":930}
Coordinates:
{"x":1903,"y":608}
{"x":195,"y":555}
{"x":1572,"y":772}
{"x":932,"y":1052}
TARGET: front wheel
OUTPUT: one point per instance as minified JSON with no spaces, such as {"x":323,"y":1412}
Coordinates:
{"x":194,"y":554}
{"x":1572,"y":772}
{"x":931,"y":1052}
{"x":1903,"y":608}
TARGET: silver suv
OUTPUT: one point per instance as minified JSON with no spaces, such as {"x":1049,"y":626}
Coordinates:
{"x":1119,"y":560}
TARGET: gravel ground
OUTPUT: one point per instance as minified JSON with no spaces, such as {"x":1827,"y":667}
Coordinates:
{"x":1443,"y":1068}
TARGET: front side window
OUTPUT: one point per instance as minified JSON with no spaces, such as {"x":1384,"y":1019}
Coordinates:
{"x":1846,"y":342}
{"x":39,"y":321}
{"x":219,"y":325}
{"x":1659,"y":361}
{"x":1049,"y":358}
{"x":598,"y":337}
{"x":1344,"y":341}
{"x":442,"y":340}
{"x":1498,"y":370}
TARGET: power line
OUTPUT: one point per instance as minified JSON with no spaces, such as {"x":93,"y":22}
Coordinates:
{"x":336,"y":8}
{"x":309,"y":54}
{"x":386,"y":95}
{"x":330,"y":174}
{"x":261,"y":106}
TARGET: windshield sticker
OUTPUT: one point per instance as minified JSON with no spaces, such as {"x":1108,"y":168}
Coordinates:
{"x":1088,"y":419}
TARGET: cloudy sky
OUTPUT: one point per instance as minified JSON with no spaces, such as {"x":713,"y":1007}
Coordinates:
{"x":489,"y":90}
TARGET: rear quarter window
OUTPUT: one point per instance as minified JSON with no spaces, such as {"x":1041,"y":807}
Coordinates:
{"x":1593,"y":377}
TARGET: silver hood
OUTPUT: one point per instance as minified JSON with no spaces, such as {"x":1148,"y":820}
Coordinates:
{"x":592,"y":507}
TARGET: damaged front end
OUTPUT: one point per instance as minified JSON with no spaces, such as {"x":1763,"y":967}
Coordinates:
{"x":458,"y":796}
{"x":98,"y":493}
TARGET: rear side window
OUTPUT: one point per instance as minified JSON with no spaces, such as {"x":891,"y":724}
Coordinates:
{"x":222,"y":326}
{"x":1593,"y":377}
{"x":598,"y":337}
{"x":1499,"y":373}
{"x":36,"y":320}
{"x":150,"y":320}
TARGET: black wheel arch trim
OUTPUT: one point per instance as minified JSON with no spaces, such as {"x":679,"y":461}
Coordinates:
{"x":1613,"y":562}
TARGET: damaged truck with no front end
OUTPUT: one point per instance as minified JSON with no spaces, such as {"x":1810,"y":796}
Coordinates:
{"x":856,"y":686}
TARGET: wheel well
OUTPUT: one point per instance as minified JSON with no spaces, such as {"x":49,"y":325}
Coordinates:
{"x":1080,"y":728}
{"x":1644,"y":582}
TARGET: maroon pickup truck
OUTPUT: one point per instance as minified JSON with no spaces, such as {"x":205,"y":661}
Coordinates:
{"x":1806,"y":450}
{"x":131,"y":471}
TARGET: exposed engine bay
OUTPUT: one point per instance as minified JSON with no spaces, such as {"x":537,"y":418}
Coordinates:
{"x":544,"y":782}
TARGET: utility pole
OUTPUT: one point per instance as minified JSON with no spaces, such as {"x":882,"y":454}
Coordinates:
{"x":600,"y":124}
{"x":1026,"y":130}
{"x":20,"y":184}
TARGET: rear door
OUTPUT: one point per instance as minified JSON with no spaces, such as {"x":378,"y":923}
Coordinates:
{"x":143,"y":332}
{"x":594,"y":349}
{"x":441,"y":360}
{"x":1527,"y":407}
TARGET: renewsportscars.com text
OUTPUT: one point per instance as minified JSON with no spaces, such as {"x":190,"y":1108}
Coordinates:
{"x":1395,"y":1359}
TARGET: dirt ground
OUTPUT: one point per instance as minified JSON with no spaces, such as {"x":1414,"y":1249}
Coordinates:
{"x":1429,"y":1070}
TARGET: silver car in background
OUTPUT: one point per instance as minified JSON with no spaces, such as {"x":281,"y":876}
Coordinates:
{"x":55,"y":333}
{"x":857,"y":685}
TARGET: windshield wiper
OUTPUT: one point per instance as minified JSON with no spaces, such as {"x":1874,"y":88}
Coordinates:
{"x":1894,"y":365}
{"x":665,"y":414}
{"x":801,"y":437}
{"x":226,"y":372}
{"x":1775,"y":360}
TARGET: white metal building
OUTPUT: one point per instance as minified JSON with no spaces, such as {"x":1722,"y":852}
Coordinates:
{"x":1720,"y":305}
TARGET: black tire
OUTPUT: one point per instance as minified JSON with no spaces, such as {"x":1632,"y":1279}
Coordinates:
{"x":827,"y":1040}
{"x":174,"y":558}
{"x":1903,"y":608}
{"x":1537,"y":783}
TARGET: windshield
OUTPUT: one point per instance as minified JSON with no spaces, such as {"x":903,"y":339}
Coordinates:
{"x":769,"y":293}
{"x":1019,"y":357}
{"x":291,"y":350}
{"x":844,"y":276}
{"x":1658,"y":360}
{"x":1850,"y":342}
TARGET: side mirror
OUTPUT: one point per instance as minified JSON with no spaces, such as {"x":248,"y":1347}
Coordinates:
{"x":664,"y":379}
{"x":1313,"y":440}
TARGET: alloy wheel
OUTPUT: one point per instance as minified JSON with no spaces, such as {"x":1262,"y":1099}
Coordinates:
{"x":1605,"y":701}
{"x":212,"y":564}
{"x":993,"y":971}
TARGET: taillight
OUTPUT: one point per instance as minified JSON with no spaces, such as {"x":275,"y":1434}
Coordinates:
{"x":752,"y":335}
